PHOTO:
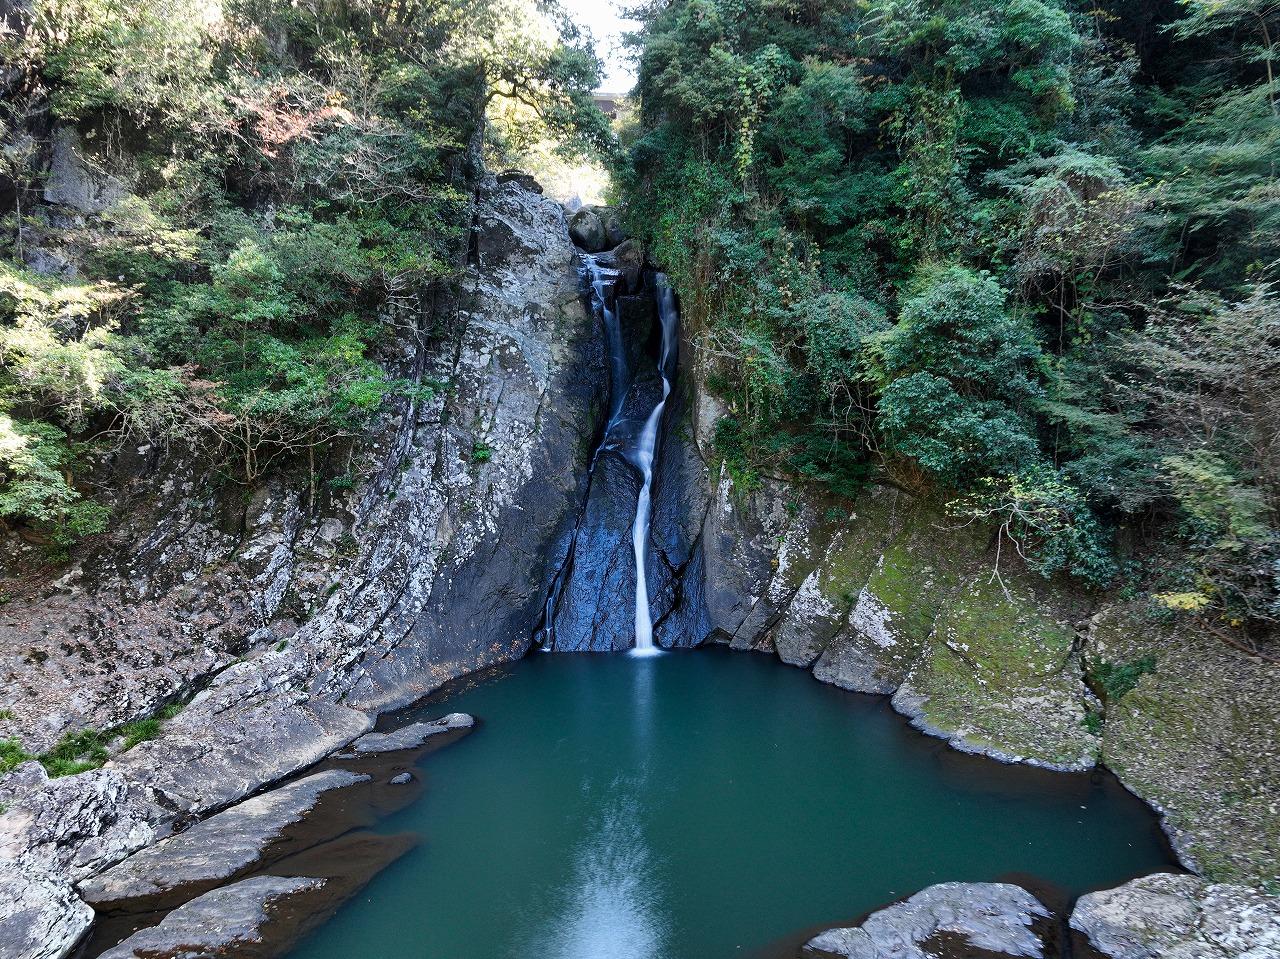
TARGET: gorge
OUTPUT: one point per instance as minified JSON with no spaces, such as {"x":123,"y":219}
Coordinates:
{"x":369,"y":478}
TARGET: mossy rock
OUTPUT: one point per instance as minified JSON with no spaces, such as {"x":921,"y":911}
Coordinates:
{"x":998,"y":677}
{"x":1200,"y":738}
{"x":893,"y":613}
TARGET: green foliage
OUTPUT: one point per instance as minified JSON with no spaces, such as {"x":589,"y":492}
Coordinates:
{"x":1118,"y":679}
{"x":288,"y":184}
{"x":954,"y":239}
{"x":76,"y":753}
{"x":12,"y":755}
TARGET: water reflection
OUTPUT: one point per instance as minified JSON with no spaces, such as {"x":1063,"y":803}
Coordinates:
{"x":607,"y":909}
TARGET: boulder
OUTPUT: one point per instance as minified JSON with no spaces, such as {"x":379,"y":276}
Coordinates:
{"x":214,"y":850}
{"x":411,"y":737}
{"x":254,"y":919}
{"x":628,"y":259}
{"x":1180,"y":917}
{"x":994,"y":917}
{"x":41,"y":917}
{"x":521,"y":179}
{"x":587,"y":230}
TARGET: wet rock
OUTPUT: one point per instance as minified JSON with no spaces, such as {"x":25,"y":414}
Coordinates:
{"x":587,"y":230}
{"x":41,"y":917}
{"x":1179,"y":916}
{"x":440,"y":566}
{"x":214,"y":850}
{"x":255,"y":919}
{"x":411,"y":737}
{"x":628,"y":259}
{"x":995,"y":917}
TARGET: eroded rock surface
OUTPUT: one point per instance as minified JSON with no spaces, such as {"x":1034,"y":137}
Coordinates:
{"x":213,"y":850}
{"x":41,"y":917}
{"x":995,"y":917}
{"x":1179,"y":917}
{"x":293,"y":619}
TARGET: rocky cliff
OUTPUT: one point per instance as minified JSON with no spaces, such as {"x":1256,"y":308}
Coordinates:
{"x":289,"y":620}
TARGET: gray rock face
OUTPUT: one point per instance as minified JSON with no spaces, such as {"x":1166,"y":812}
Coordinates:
{"x":73,"y":182}
{"x":74,"y":826}
{"x":213,"y":850}
{"x":995,"y":917}
{"x":41,"y":917}
{"x":435,"y":564}
{"x":588,"y":230}
{"x":411,"y":737}
{"x":226,"y":923}
{"x":1180,"y":917}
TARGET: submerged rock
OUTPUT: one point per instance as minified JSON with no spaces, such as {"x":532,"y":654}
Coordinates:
{"x":213,"y":850}
{"x":41,"y":917}
{"x":1180,"y":916}
{"x":255,"y":919}
{"x":995,"y":917}
{"x":411,"y":737}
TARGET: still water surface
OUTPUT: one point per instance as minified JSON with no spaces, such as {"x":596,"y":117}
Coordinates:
{"x":707,"y":805}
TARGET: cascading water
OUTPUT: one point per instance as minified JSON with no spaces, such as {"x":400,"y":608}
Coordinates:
{"x":586,"y":605}
{"x":642,"y":456}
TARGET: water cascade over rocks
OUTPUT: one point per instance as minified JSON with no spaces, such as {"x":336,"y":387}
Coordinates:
{"x":599,"y":600}
{"x":643,"y":458}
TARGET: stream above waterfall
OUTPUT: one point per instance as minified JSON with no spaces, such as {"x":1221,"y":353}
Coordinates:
{"x":704,"y":805}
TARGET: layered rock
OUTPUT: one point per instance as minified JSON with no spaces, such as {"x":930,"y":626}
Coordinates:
{"x":292,"y":618}
{"x":40,"y":915}
{"x":236,"y":921}
{"x":412,"y":736}
{"x":996,"y":918}
{"x":214,"y":850}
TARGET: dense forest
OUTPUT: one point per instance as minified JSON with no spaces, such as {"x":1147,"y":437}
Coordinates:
{"x":1019,"y":255}
{"x":274,"y":186}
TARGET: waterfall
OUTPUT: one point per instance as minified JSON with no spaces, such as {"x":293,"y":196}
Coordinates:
{"x":646,"y":446}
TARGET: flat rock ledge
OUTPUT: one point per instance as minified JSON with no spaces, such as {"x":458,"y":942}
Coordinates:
{"x":41,"y":917}
{"x":215,"y":849}
{"x":228,"y":922}
{"x":410,"y":737}
{"x":1180,"y":917}
{"x":995,"y":917}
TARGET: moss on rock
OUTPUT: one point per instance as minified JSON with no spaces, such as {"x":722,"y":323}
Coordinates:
{"x":1199,"y":738}
{"x":998,"y":677}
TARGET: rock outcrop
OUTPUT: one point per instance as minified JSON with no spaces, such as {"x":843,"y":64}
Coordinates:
{"x":212,"y":851}
{"x":1180,"y":917}
{"x":290,"y":619}
{"x":887,"y":594}
{"x":235,"y":922}
{"x":996,"y":918}
{"x":413,"y":736}
{"x":40,"y":915}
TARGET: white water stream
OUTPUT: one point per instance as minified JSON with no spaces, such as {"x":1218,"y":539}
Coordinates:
{"x":644,"y":453}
